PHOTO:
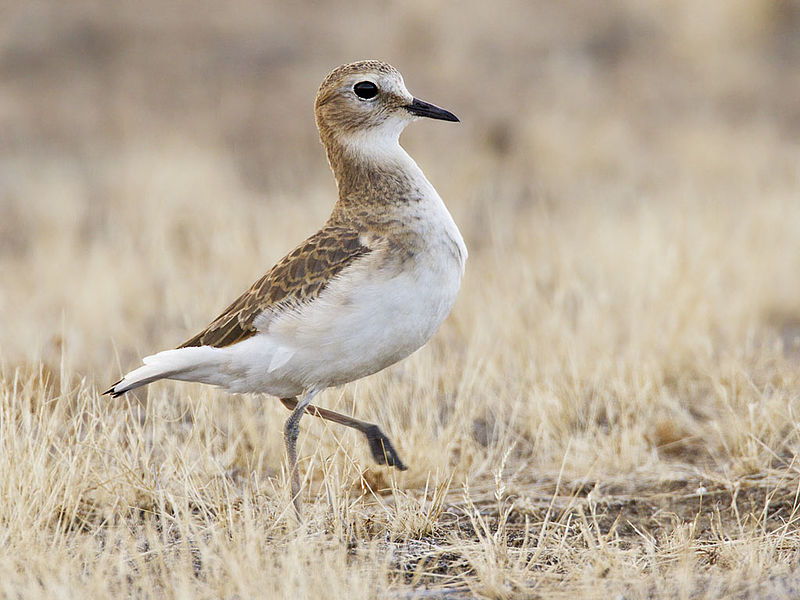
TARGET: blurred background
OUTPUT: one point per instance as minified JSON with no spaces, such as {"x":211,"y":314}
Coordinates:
{"x":626,"y":176}
{"x":156,"y":157}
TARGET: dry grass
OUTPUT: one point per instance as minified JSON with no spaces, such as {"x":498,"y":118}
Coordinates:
{"x":610,"y":411}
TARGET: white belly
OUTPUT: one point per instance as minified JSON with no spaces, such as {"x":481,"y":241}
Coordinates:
{"x":382,"y":322}
{"x":359,"y":325}
{"x":362,"y":322}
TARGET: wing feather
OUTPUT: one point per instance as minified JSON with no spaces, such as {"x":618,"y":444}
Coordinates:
{"x":298,"y":277}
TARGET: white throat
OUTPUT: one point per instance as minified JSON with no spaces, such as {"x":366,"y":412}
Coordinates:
{"x":379,"y":145}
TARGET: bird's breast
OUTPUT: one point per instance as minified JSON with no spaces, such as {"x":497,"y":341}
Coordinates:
{"x":375,"y":313}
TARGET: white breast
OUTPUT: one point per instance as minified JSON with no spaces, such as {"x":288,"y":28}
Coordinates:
{"x":374,"y":314}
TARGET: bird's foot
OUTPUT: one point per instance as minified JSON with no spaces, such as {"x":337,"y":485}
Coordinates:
{"x":382,"y":449}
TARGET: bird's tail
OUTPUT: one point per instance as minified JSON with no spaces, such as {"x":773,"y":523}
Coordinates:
{"x":187,"y":364}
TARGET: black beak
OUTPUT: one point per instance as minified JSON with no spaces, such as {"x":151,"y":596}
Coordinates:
{"x":424,"y":109}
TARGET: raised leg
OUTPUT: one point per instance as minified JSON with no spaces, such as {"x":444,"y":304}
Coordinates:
{"x":291,"y":429}
{"x":379,"y":443}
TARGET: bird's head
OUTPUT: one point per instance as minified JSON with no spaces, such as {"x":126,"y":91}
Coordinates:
{"x":366,"y":104}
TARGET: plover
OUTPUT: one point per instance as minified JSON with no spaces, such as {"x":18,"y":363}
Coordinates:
{"x":365,"y":291}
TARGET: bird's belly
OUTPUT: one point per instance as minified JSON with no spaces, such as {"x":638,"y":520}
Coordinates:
{"x":352,"y":331}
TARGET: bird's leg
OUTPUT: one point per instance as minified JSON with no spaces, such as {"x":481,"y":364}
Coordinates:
{"x":291,"y":430}
{"x":379,"y":444}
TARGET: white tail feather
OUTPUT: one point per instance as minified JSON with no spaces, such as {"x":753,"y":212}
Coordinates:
{"x":201,"y":364}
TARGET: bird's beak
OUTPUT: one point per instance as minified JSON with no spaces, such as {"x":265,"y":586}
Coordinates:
{"x":425,"y":109}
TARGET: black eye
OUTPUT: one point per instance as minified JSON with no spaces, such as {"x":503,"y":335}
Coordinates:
{"x":365,"y":89}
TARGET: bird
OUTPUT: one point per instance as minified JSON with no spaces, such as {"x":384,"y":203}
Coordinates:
{"x":365,"y":291}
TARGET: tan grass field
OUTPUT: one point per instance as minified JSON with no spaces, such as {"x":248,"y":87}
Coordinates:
{"x":611,"y":411}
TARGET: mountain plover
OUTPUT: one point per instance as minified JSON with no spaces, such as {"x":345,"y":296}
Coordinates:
{"x":365,"y":291}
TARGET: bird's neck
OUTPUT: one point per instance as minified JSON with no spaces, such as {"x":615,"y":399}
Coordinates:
{"x":373,"y":170}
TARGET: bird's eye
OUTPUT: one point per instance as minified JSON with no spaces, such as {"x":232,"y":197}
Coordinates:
{"x":365,"y":90}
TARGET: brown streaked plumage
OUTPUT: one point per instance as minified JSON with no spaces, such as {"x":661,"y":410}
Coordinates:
{"x":365,"y":291}
{"x":299,"y":277}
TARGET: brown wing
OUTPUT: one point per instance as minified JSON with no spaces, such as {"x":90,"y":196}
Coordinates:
{"x":298,"y":277}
